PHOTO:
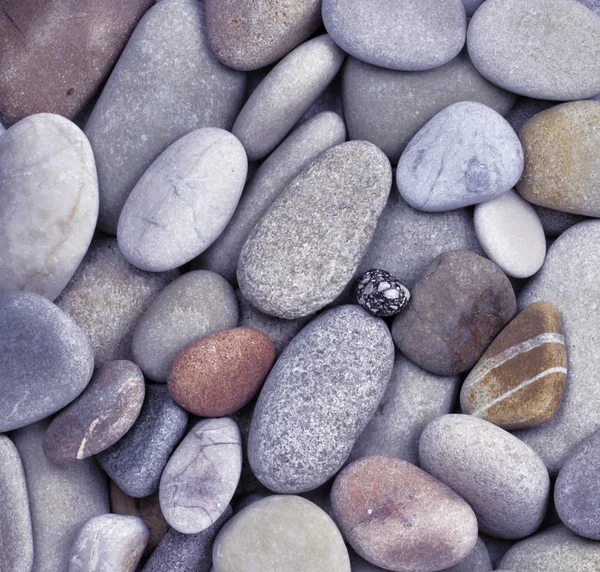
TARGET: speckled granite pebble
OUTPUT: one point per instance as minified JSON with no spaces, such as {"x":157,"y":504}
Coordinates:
{"x":381,"y":294}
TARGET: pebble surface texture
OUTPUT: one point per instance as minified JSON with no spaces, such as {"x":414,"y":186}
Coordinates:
{"x":305,"y":250}
{"x":378,"y":292}
{"x":135,"y":463}
{"x":166,"y":83}
{"x":546,"y":49}
{"x":183,"y":201}
{"x":520,"y":379}
{"x":201,"y":476}
{"x":247,"y":35}
{"x":457,"y":308}
{"x":280,"y":533}
{"x":48,"y":204}
{"x":100,"y":416}
{"x":196,"y":305}
{"x":400,"y":518}
{"x":46,"y":360}
{"x":562,"y":158}
{"x":318,"y":398}
{"x":287,"y":92}
{"x":413,"y":35}
{"x":466,"y":154}
{"x":501,"y":478}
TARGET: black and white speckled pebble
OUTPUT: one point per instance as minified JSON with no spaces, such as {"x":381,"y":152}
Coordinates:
{"x":378,"y":292}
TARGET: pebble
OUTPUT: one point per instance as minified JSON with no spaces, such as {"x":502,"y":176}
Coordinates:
{"x":219,"y":374}
{"x":501,"y":478}
{"x":135,"y":463}
{"x":318,"y":398}
{"x":285,"y":95}
{"x":547,"y":49}
{"x":196,"y":305}
{"x":520,"y":379}
{"x":15,"y":526}
{"x":183,"y":201}
{"x":166,"y":84}
{"x":109,"y":543}
{"x":61,"y":498}
{"x":201,"y":476}
{"x":561,"y":158}
{"x":457,"y":308}
{"x":280,"y":533}
{"x":48,"y":203}
{"x":414,"y":36}
{"x":286,"y":269}
{"x":301,"y":147}
{"x":100,"y":416}
{"x":46,"y":360}
{"x":378,"y":292}
{"x":250,"y":35}
{"x":556,"y":222}
{"x":466,"y":154}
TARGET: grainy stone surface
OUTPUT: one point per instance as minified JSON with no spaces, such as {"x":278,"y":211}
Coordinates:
{"x":592,"y":5}
{"x":556,"y":222}
{"x":381,"y":294}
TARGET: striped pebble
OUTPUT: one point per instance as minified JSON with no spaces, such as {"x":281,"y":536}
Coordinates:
{"x":519,"y":381}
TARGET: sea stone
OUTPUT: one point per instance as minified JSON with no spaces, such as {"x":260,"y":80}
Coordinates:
{"x":286,"y":269}
{"x":46,"y":360}
{"x":400,"y":518}
{"x":388,"y":107}
{"x":546,"y":49}
{"x":501,"y":478}
{"x":100,"y":416}
{"x":48,"y":204}
{"x":166,"y":83}
{"x":466,"y":154}
{"x":183,"y":201}
{"x":280,"y":533}
{"x":136,"y":462}
{"x":413,"y":35}
{"x":201,"y":476}
{"x":285,"y":94}
{"x":381,"y":294}
{"x":250,"y":35}
{"x":520,"y":379}
{"x":457,"y":308}
{"x":318,"y":398}
{"x":195,"y":305}
{"x":299,"y":149}
{"x":562,"y":164}
{"x":219,"y":374}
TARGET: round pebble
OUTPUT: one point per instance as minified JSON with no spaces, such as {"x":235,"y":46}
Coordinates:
{"x":378,"y":292}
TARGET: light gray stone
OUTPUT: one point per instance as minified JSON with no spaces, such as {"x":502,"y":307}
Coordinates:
{"x":48,"y":203}
{"x":466,"y":154}
{"x":166,"y":83}
{"x":285,"y":94}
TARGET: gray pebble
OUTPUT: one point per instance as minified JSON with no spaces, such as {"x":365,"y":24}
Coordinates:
{"x":556,"y":222}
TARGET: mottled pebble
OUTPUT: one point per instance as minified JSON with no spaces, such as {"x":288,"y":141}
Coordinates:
{"x":378,"y":292}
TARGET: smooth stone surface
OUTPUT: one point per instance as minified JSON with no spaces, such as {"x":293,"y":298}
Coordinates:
{"x":400,"y":518}
{"x":556,"y":222}
{"x":413,"y":35}
{"x":100,"y":416}
{"x":135,"y":463}
{"x":457,"y":308}
{"x":183,"y":201}
{"x":318,"y":398}
{"x":109,"y":543}
{"x":299,"y":149}
{"x":201,"y":476}
{"x":286,"y":268}
{"x":520,"y":379}
{"x":46,"y":359}
{"x":48,"y":204}
{"x":196,"y":305}
{"x":388,"y":107}
{"x":61,"y":498}
{"x":562,"y":164}
{"x":285,"y":94}
{"x":166,"y":83}
{"x":280,"y":533}
{"x":501,"y":478}
{"x":466,"y":154}
{"x":250,"y":35}
{"x":546,"y":49}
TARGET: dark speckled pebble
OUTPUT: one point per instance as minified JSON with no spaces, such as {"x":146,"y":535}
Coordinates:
{"x":379,"y":293}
